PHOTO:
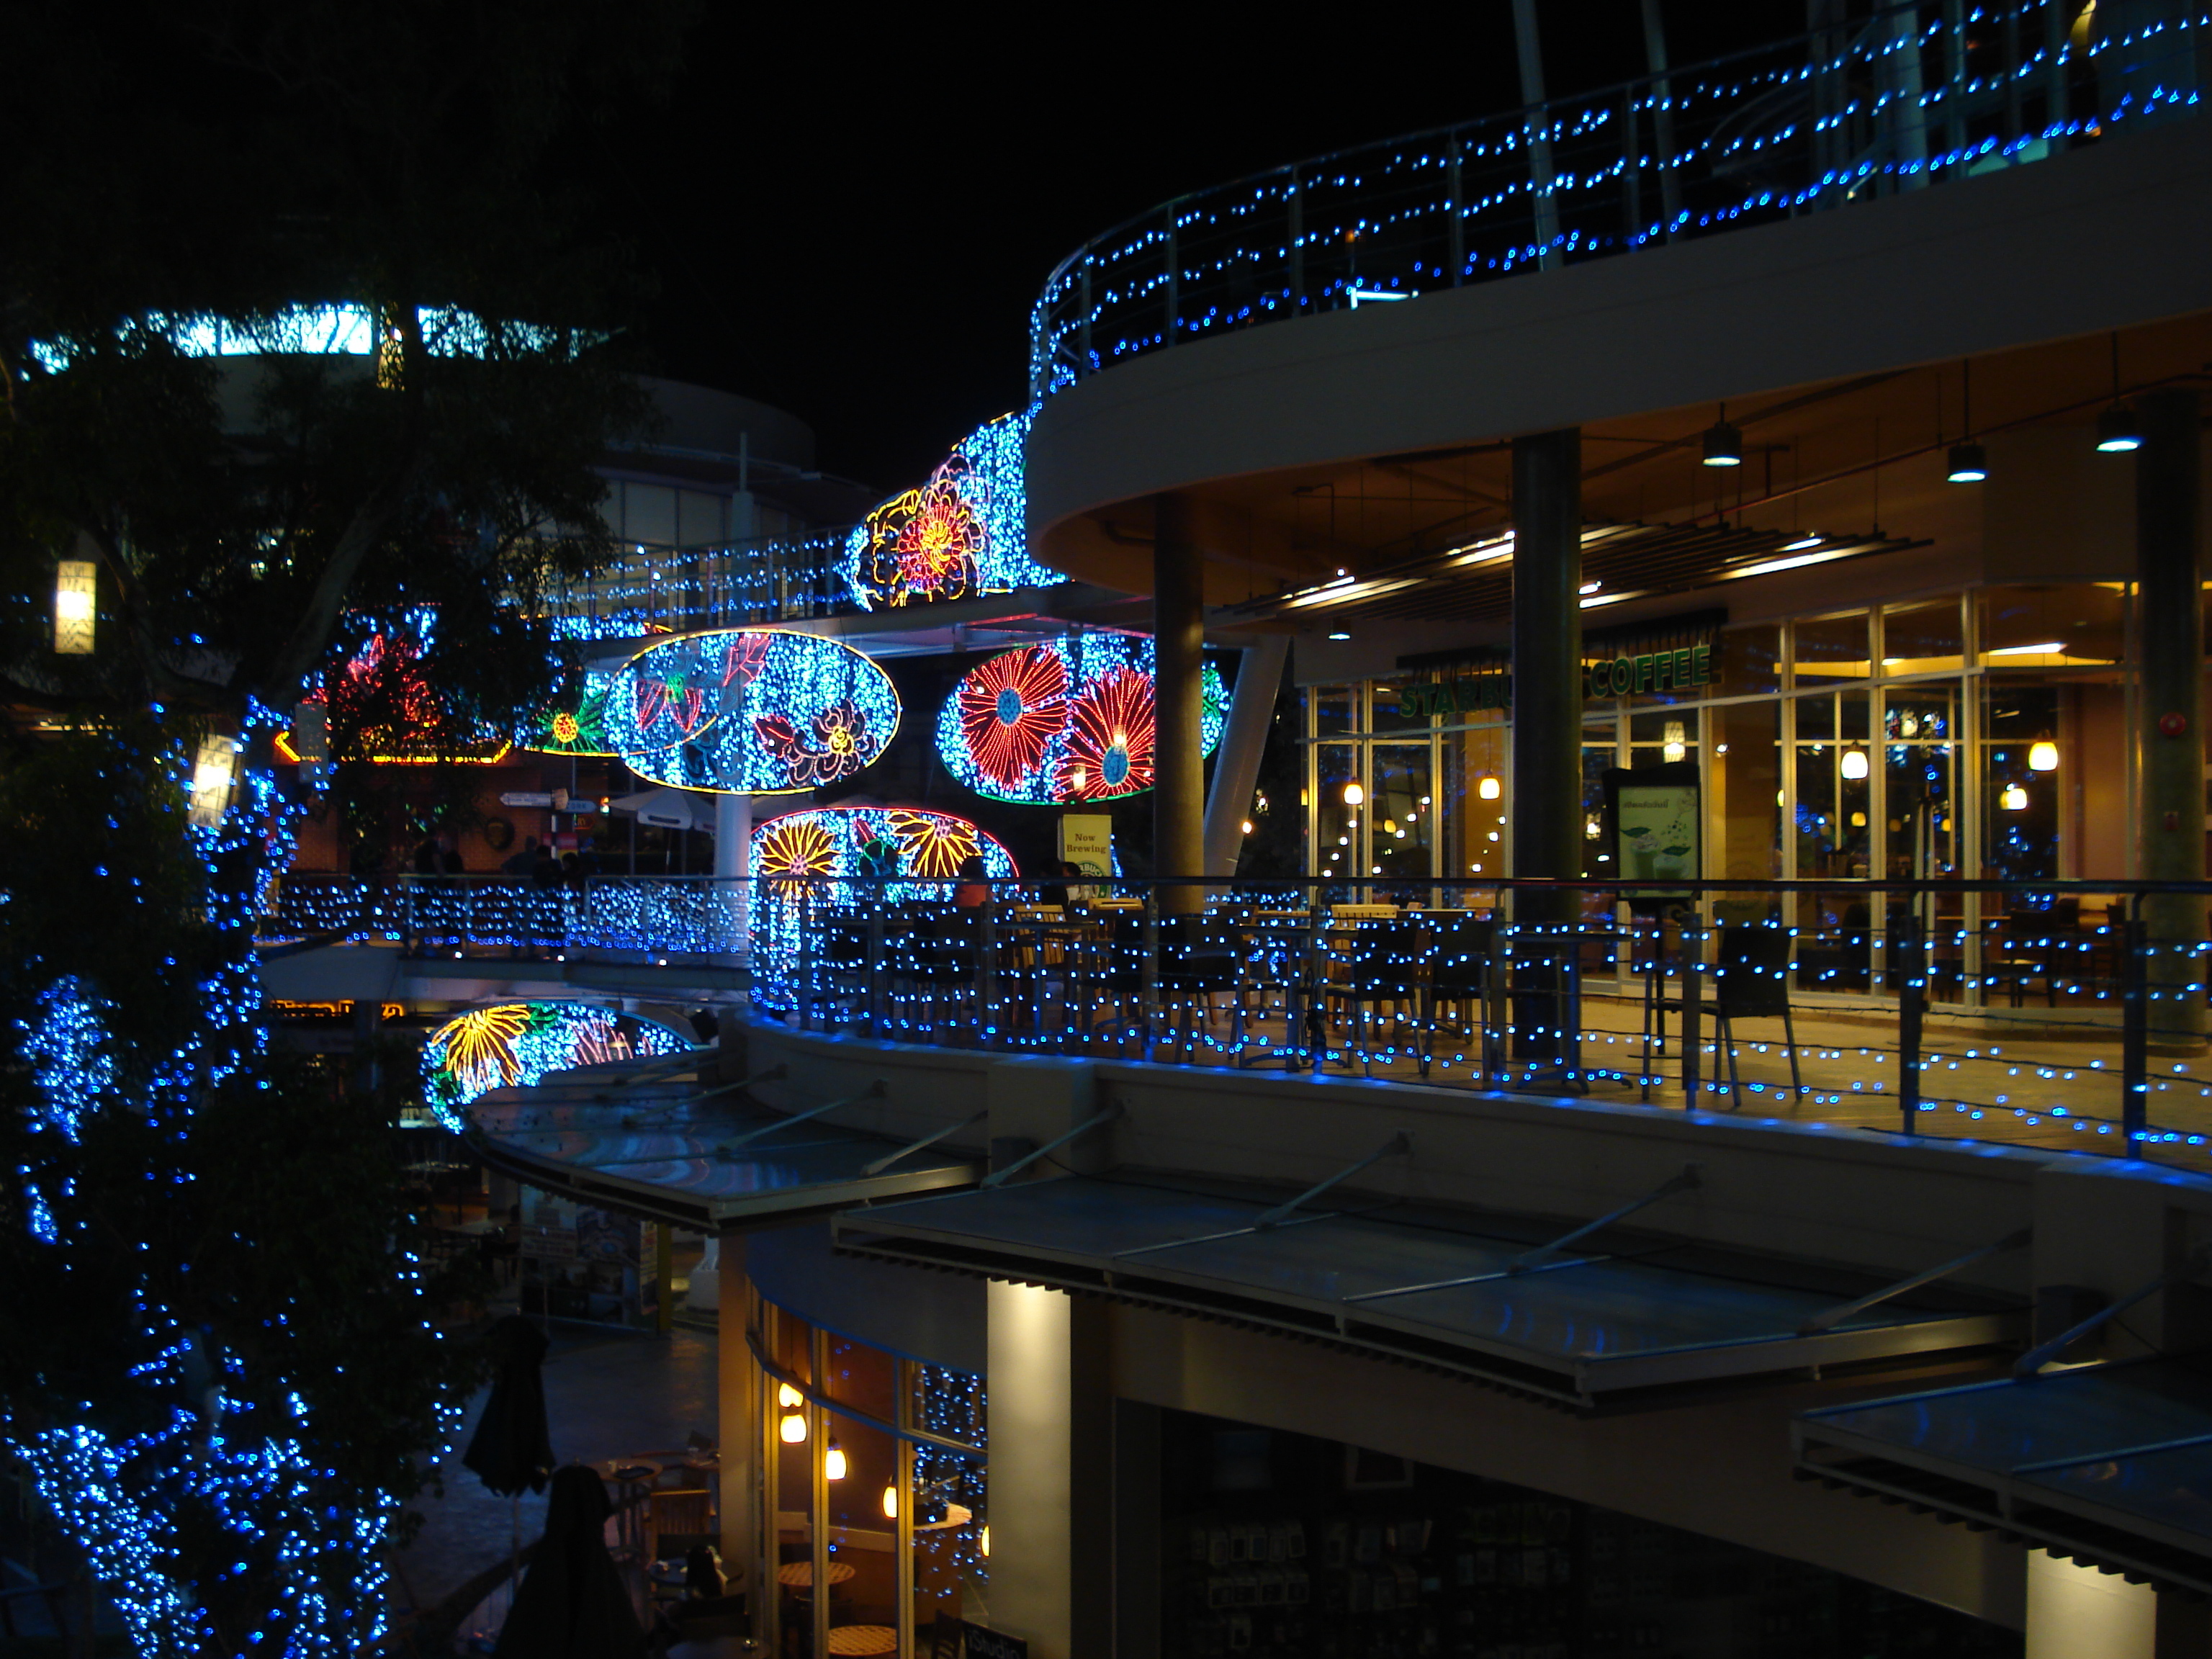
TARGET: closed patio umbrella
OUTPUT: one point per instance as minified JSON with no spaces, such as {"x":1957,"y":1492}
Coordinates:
{"x":511,"y":1450}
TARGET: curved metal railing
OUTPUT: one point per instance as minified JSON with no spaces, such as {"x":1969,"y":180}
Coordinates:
{"x":1917,"y":95}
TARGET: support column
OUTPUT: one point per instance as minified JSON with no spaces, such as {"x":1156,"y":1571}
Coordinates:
{"x":1178,"y":635}
{"x":1547,"y":725}
{"x":734,"y":853}
{"x":2075,"y":1611}
{"x":745,"y":1530}
{"x":1237,"y":762}
{"x":1050,"y":1472}
{"x":1547,"y":656}
{"x":2168,"y":529}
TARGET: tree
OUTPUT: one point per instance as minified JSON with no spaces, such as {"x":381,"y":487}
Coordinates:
{"x":216,"y":1352}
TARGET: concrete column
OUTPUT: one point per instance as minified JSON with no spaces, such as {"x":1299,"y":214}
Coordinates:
{"x":1050,"y":1472}
{"x":2074,"y":1611}
{"x":745,"y":1531}
{"x":1547,"y":655}
{"x":1178,"y":635}
{"x":733,"y":854}
{"x":1237,"y":762}
{"x":2168,"y":530}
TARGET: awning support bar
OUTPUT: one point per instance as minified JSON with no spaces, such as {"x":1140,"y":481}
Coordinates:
{"x":774,"y":1074}
{"x":929,"y":1140}
{"x":2109,"y":1455}
{"x":997,"y":1177}
{"x":1834,"y":1316}
{"x":1691,"y":1178}
{"x":1401,"y":1144}
{"x":874,"y":1091}
{"x":2035,"y":1359}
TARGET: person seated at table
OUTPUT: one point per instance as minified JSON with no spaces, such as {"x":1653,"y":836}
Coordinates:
{"x":973,"y":891}
{"x":1067,"y":889}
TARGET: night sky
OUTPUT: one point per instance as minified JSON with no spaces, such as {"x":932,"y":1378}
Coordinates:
{"x":849,"y":213}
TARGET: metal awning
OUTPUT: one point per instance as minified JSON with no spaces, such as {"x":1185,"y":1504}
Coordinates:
{"x":1620,"y":563}
{"x":702,"y":1160}
{"x":2109,"y":1464}
{"x":1616,"y":1318}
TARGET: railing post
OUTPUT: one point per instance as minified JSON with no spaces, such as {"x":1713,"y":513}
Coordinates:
{"x":1911,"y":948}
{"x":1456,"y":229}
{"x":805,"y":976}
{"x":879,"y":1010}
{"x":986,"y":970}
{"x":1693,"y":953}
{"x":1175,"y":279}
{"x":1297,"y":243}
{"x":2135,"y":1032}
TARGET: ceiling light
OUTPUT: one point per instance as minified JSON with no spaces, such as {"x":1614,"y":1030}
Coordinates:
{"x":1339,"y":636}
{"x":1591,"y":587}
{"x":2118,"y":431}
{"x":2048,"y":648}
{"x":1801,"y":543}
{"x":1970,"y":464}
{"x":1723,"y":445}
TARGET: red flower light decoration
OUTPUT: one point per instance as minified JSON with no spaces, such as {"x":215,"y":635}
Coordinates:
{"x":1010,"y":709}
{"x":1108,"y":750}
{"x":926,"y":543}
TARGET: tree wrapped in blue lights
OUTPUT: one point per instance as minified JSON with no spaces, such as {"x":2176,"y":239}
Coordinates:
{"x":963,"y":533}
{"x":757,"y":711}
{"x":515,"y":1044}
{"x":1067,"y":720}
{"x":216,"y":1355}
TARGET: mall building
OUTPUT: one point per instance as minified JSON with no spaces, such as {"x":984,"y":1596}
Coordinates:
{"x":1823,"y":428}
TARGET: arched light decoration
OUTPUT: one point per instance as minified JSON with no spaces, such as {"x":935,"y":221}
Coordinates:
{"x":516,"y":1044}
{"x":823,"y":857}
{"x":574,"y":723}
{"x":751,"y":711}
{"x":961,"y":534}
{"x":1067,"y":720}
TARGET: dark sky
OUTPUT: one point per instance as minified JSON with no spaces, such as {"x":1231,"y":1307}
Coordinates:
{"x":849,"y":212}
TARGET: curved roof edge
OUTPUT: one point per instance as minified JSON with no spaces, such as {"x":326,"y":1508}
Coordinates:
{"x":2110,"y":237}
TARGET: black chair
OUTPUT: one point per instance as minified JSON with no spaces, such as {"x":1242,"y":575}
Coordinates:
{"x":934,"y":957}
{"x":2030,"y":945}
{"x":1198,"y":962}
{"x":1383,"y":963}
{"x":1462,"y":972}
{"x":1751,"y":981}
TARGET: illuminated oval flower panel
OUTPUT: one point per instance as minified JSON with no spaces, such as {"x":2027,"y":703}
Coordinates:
{"x":818,"y":858}
{"x":1064,"y":720}
{"x":517,"y":1043}
{"x":753,"y":711}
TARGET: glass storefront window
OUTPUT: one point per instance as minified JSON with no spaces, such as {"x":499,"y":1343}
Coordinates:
{"x":1744,"y":782}
{"x":1831,"y":648}
{"x":1473,"y":805}
{"x":1746,"y":661}
{"x":790,"y":1342}
{"x":1336,"y":823}
{"x":1920,"y":737}
{"x":1598,"y":758}
{"x":865,"y":1378}
{"x":862,"y":1523}
{"x":2022,"y":780}
{"x":1923,"y":639}
{"x":951,"y":1533}
{"x":2073,"y":625}
{"x":1389,"y":714}
{"x":1332,"y":706}
{"x":1833,"y":786}
{"x":1401,"y":818}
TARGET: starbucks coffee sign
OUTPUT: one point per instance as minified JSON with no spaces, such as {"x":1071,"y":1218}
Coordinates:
{"x":1652,"y":671}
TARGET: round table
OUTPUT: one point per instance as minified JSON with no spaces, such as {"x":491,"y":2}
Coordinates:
{"x":954,"y":1517}
{"x":799,"y":1575}
{"x":862,"y":1639}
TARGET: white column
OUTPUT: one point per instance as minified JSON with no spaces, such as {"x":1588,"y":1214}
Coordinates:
{"x":733,"y":850}
{"x":2075,"y":1612}
{"x":1031,"y":1380}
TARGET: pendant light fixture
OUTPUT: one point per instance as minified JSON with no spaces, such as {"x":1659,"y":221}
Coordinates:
{"x":833,"y":1463}
{"x":1968,"y":462}
{"x":2119,"y":432}
{"x":1724,"y":443}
